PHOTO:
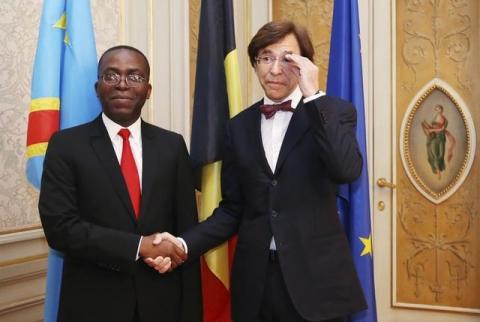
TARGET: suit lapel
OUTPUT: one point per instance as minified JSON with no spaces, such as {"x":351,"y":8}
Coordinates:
{"x":149,"y":163}
{"x":298,"y":125}
{"x":255,"y":123}
{"x":102,"y":146}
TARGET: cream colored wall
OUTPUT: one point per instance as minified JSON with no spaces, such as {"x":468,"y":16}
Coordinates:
{"x":18,"y":37}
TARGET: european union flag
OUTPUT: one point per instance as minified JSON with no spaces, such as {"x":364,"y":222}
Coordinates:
{"x":345,"y":81}
{"x":63,"y":95}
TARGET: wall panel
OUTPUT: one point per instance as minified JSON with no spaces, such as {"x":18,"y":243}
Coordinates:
{"x":438,"y":245}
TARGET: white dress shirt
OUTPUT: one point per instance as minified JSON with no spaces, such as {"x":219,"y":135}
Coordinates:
{"x":135,"y":140}
{"x":274,"y":129}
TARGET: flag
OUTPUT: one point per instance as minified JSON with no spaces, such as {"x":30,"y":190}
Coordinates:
{"x":345,"y":81}
{"x":63,"y":95}
{"x":217,"y":97}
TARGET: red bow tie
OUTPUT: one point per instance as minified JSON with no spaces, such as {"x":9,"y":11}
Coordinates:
{"x":269,"y":110}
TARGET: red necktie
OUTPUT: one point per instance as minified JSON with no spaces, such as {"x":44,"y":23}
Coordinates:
{"x":270,"y":110}
{"x":130,"y":173}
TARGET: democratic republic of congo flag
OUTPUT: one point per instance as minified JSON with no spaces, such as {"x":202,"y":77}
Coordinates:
{"x":63,"y":95}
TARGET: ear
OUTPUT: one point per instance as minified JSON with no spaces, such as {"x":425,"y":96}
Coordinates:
{"x":149,"y":91}
{"x":96,"y":88}
{"x":255,"y":69}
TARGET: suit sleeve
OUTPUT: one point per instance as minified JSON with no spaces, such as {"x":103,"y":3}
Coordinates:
{"x":64,"y":228}
{"x":225,"y":219}
{"x":334,"y":124}
{"x":186,"y":217}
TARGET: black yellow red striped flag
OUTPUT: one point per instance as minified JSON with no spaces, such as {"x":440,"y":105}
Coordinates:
{"x":217,"y":98}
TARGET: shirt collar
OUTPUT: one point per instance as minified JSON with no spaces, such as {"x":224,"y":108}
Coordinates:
{"x":295,"y":96}
{"x":113,"y":128}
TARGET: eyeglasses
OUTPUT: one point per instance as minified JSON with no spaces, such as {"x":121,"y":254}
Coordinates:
{"x":132,"y":79}
{"x":268,"y":60}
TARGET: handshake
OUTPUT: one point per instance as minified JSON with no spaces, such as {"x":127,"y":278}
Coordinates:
{"x":162,"y":252}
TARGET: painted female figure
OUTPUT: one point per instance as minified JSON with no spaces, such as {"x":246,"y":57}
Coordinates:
{"x":437,"y":137}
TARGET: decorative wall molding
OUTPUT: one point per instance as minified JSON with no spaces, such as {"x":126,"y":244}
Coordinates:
{"x":21,"y":236}
{"x":21,"y":305}
{"x":11,"y":230}
{"x":160,"y":30}
{"x":23,"y":267}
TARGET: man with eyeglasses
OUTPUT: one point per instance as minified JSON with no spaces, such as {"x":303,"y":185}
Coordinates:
{"x":108,"y":186}
{"x":283,"y":159}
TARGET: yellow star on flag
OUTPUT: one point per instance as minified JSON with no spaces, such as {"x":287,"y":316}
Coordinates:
{"x":367,"y":245}
{"x":62,"y":24}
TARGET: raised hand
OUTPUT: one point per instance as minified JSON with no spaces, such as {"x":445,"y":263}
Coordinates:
{"x":305,"y":71}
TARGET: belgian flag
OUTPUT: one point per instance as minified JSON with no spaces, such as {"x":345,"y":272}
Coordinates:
{"x":217,"y":98}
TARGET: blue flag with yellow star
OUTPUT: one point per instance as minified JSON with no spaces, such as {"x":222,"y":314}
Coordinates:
{"x":345,"y":81}
{"x":63,"y":95}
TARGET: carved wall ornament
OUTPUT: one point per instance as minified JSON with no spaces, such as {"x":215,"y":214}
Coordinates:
{"x":437,"y":141}
{"x":445,"y":40}
{"x":438,"y":255}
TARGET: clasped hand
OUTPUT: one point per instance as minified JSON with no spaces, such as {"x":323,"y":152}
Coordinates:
{"x":163,"y":252}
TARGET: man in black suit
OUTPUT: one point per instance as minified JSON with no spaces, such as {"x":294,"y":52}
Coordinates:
{"x":108,"y":186}
{"x":283,"y":159}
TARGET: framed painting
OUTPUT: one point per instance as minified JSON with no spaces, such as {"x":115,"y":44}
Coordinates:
{"x":437,"y":141}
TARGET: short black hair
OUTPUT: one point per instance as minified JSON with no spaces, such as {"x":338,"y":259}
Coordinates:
{"x":124,"y":47}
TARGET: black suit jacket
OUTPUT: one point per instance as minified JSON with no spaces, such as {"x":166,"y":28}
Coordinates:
{"x":296,"y":203}
{"x":87,"y":214}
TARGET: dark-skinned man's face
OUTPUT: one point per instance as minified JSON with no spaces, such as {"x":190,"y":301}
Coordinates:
{"x":123,"y":102}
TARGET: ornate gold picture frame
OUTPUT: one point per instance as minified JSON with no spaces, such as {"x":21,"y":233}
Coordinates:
{"x":437,"y":141}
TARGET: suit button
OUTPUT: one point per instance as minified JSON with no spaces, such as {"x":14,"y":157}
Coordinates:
{"x":274,"y":214}
{"x":323,"y":117}
{"x":273,"y":183}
